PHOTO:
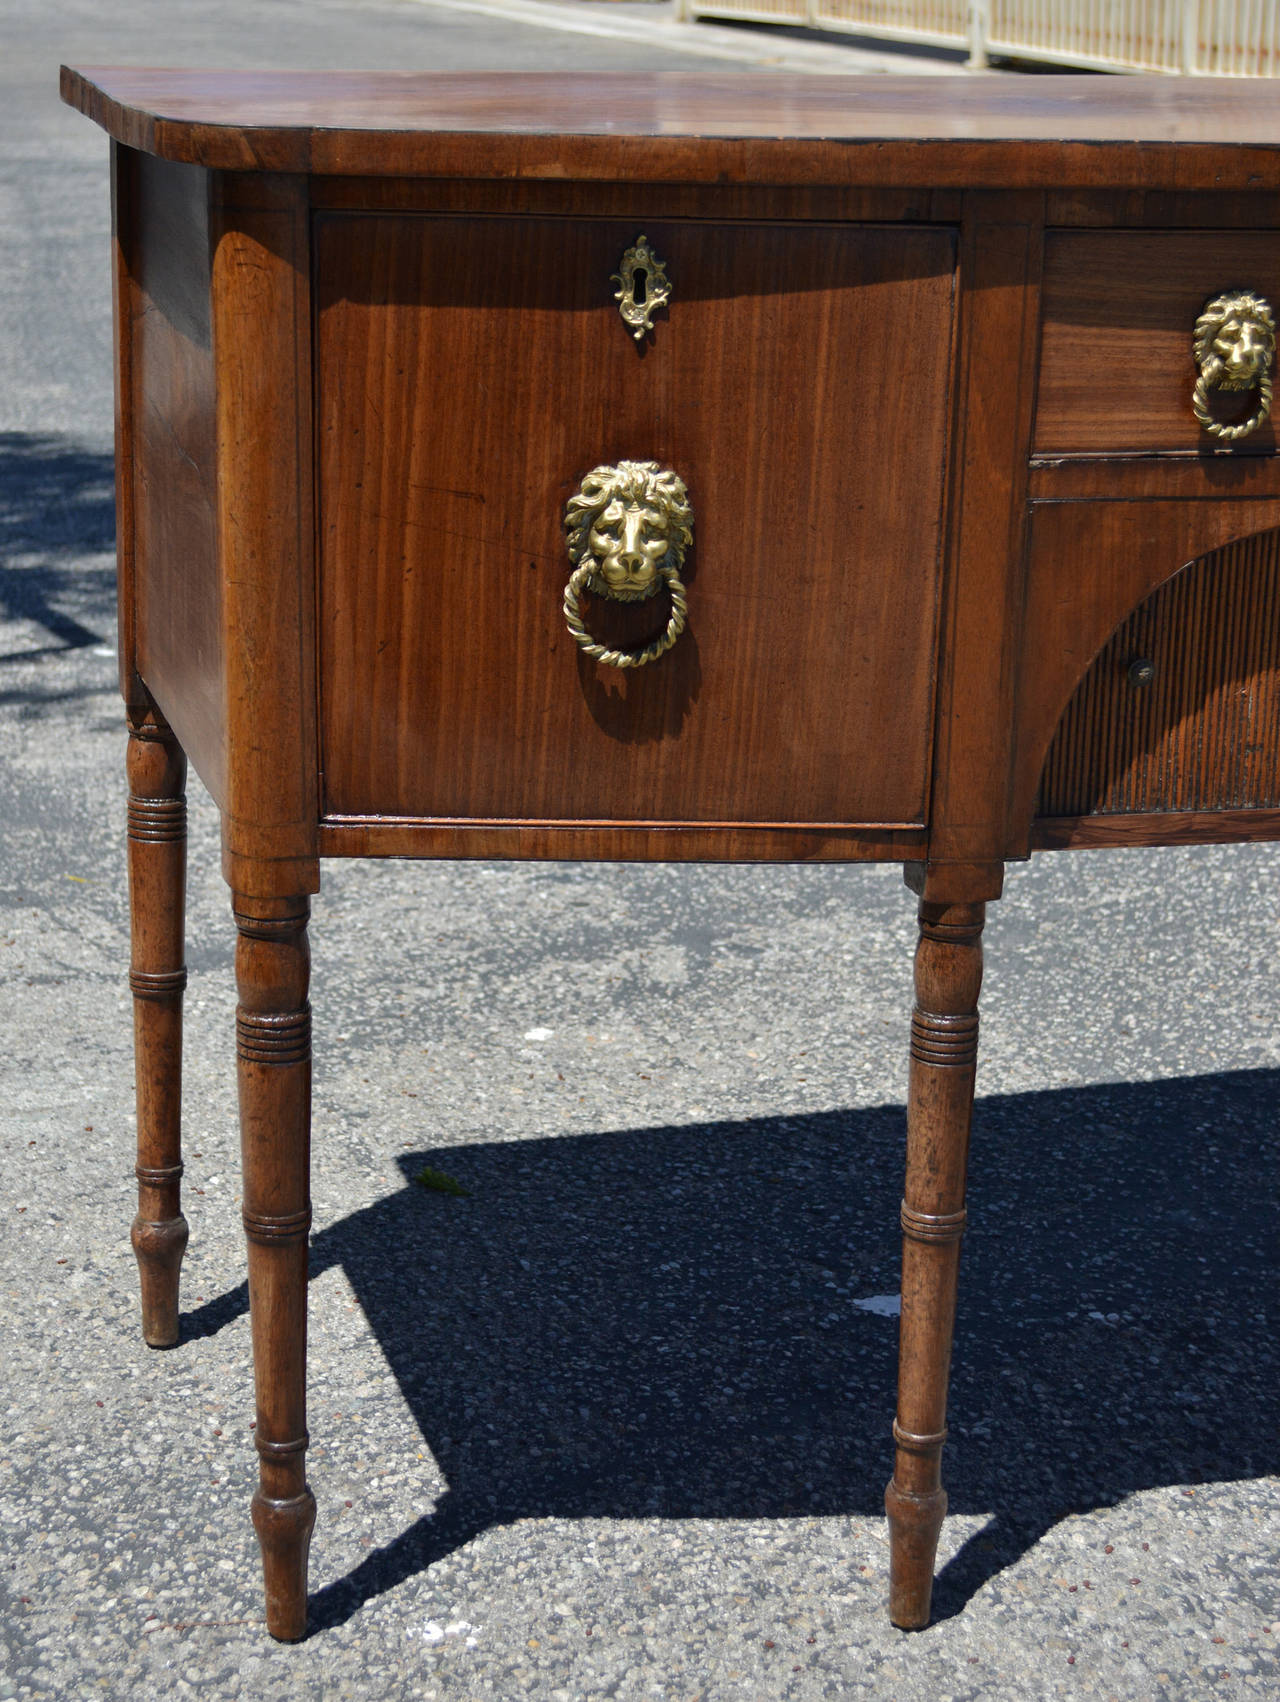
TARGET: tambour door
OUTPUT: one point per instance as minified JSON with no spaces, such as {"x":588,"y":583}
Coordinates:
{"x":472,"y":371}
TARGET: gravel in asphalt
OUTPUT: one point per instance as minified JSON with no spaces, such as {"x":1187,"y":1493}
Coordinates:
{"x":613,"y":1421}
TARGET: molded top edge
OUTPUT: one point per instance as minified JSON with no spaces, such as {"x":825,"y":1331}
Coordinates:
{"x":1007,"y":129}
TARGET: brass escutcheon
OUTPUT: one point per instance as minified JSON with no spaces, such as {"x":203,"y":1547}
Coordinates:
{"x":627,"y":528}
{"x":643,"y":287}
{"x":1234,"y":347}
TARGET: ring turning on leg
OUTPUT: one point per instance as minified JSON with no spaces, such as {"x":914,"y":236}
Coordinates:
{"x":944,"y":1050}
{"x":273,"y":1046}
{"x":157,"y":855}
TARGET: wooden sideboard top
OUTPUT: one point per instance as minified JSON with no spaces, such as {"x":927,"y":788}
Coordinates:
{"x":979,"y":130}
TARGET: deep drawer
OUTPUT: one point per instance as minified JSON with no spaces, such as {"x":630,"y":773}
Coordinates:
{"x":797,"y":384}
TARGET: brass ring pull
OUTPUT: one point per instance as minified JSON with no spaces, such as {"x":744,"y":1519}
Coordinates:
{"x":580,"y":578}
{"x":627,"y":528}
{"x":1234,"y":346}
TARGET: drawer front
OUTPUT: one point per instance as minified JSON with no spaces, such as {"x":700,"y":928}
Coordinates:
{"x":472,"y":371}
{"x":1119,"y":308}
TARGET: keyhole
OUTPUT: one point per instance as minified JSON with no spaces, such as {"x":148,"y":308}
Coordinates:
{"x":639,"y":287}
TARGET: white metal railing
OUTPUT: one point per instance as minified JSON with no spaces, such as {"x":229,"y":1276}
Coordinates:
{"x":1225,"y":38}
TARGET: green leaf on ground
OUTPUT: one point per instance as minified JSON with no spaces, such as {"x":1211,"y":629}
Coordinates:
{"x":440,"y":1183}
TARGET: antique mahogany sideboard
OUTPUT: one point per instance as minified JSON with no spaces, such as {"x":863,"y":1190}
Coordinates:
{"x":713,"y":468}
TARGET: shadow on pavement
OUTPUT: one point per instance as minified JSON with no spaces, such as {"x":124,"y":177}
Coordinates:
{"x":57,"y":505}
{"x":661,"y":1322}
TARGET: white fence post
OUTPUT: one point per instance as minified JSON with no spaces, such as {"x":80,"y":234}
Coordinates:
{"x":1190,"y":32}
{"x":979,"y":30}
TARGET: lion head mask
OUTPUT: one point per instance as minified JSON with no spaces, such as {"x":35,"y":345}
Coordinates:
{"x":1235,"y":341}
{"x":631,"y":521}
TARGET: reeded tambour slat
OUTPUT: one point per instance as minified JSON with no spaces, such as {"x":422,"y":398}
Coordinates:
{"x":1204,"y":733}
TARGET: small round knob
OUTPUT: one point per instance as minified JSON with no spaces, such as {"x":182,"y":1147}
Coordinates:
{"x":1142,"y":670}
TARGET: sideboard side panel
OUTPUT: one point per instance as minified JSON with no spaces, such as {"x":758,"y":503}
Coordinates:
{"x":171,"y":634}
{"x":124,"y":297}
{"x":266,"y":529}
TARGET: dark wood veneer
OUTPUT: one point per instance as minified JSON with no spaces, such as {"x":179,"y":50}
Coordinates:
{"x":1072,"y":607}
{"x":695,"y":127}
{"x":927,"y":373}
{"x":1185,"y":475}
{"x":175,"y":644}
{"x":551,"y":198}
{"x":679,"y":842}
{"x":1115,"y":365}
{"x":1208,"y":827}
{"x":810,"y":640}
{"x":1202,"y":735}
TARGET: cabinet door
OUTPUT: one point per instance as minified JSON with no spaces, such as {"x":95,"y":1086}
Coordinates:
{"x":473,"y":370}
{"x":1179,"y":713}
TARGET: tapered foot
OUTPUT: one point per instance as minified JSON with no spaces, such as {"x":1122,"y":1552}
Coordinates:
{"x":915,"y":1523}
{"x":284,"y":1534}
{"x":158,"y":1248}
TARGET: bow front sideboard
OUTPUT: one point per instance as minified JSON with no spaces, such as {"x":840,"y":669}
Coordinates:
{"x":727,"y":467}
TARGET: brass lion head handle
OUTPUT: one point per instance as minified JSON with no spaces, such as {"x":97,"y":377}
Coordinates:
{"x":1235,"y":347}
{"x":627,"y":528}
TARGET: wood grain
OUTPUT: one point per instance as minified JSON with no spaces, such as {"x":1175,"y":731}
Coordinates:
{"x":125,"y":261}
{"x":266,"y":530}
{"x":157,"y":860}
{"x":1071,"y":608}
{"x":650,"y":202}
{"x":1164,"y":209}
{"x":994,"y":385}
{"x":273,"y":1069}
{"x":472,"y":371}
{"x":701,"y":842}
{"x":689,"y":127}
{"x":1202,"y":735}
{"x":1189,"y":475}
{"x":1116,"y":368}
{"x":1209,"y":827}
{"x":169,"y":520}
{"x":944,"y":1055}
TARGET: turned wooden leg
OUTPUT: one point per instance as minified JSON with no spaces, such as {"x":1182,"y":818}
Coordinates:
{"x":157,"y":843}
{"x":273,"y":1035}
{"x":944,"y":1050}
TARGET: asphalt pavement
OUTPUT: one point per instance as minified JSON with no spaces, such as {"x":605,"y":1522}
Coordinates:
{"x":614,"y":1420}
